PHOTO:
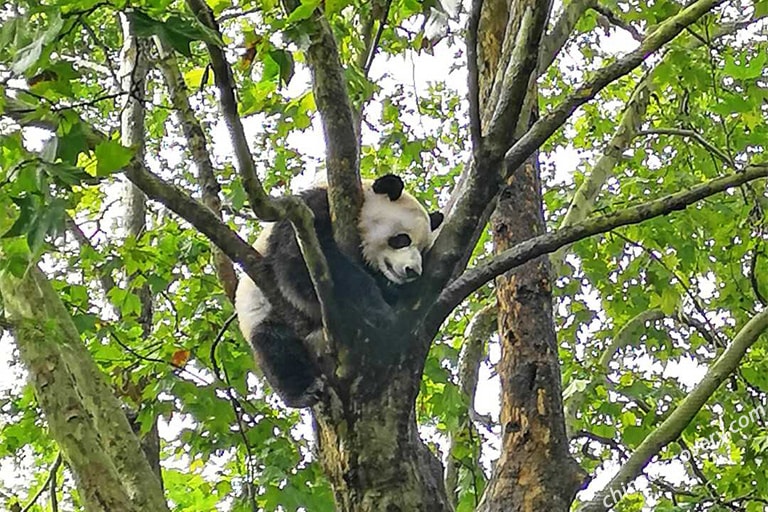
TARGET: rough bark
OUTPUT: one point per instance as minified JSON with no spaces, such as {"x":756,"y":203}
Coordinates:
{"x":84,"y":416}
{"x":535,"y":471}
{"x":370,"y":450}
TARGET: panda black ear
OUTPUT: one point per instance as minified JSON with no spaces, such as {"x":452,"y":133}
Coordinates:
{"x":435,"y":220}
{"x":389,"y":184}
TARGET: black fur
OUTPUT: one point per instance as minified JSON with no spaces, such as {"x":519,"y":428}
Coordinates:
{"x":285,"y":360}
{"x":435,"y":220}
{"x":282,"y":353}
{"x":389,"y":184}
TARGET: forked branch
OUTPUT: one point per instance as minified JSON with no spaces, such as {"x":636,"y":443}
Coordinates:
{"x":548,"y":124}
{"x":472,"y":279}
{"x":471,"y":209}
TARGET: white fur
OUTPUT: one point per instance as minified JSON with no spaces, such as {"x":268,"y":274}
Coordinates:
{"x":380,"y":219}
{"x":251,"y":304}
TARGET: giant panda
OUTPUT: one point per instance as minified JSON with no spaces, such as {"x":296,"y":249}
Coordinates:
{"x":395,"y":231}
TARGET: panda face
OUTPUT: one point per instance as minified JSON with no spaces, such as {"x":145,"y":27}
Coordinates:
{"x":395,"y":230}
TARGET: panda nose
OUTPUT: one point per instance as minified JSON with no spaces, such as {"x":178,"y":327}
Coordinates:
{"x":410,"y":273}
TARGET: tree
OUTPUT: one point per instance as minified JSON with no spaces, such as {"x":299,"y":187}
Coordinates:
{"x":586,"y":306}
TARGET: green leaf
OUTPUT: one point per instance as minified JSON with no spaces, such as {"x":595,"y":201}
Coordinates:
{"x":334,"y":6}
{"x":28,"y":205}
{"x":111,"y":156}
{"x":177,"y":30}
{"x":304,"y":11}
{"x":284,"y":60}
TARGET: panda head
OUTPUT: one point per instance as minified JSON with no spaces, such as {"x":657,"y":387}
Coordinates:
{"x":395,"y":229}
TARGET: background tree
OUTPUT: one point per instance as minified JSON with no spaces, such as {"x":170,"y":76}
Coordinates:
{"x":121,"y":315}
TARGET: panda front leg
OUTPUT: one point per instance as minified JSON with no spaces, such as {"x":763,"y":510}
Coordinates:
{"x":281,"y":354}
{"x":286,"y":363}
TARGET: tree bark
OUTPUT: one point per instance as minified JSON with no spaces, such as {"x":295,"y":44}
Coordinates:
{"x":535,"y":471}
{"x":370,"y":449}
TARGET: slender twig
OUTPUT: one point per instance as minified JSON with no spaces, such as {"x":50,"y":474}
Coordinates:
{"x":614,"y":19}
{"x":216,"y":341}
{"x":51,"y":478}
{"x":722,"y":155}
{"x":688,"y":292}
{"x":753,"y":274}
{"x":198,"y":148}
{"x":374,"y":44}
{"x":473,"y":89}
{"x":607,"y":441}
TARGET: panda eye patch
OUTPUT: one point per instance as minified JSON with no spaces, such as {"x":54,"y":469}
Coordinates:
{"x":399,"y":241}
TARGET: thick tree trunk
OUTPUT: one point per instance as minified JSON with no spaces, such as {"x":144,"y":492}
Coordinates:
{"x":370,"y":449}
{"x":535,"y":471}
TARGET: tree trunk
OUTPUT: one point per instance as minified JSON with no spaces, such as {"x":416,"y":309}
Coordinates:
{"x":370,"y":449}
{"x":535,"y":471}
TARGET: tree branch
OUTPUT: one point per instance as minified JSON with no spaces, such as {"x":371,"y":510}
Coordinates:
{"x":473,"y":88}
{"x":478,"y":332}
{"x":197,"y":144}
{"x":517,"y":75}
{"x":263,"y":206}
{"x":625,"y":336}
{"x":472,"y":279}
{"x":553,"y":42}
{"x":676,"y":422}
{"x":345,"y":194}
{"x":474,"y":197}
{"x":48,"y":481}
{"x":84,"y":416}
{"x":548,"y":124}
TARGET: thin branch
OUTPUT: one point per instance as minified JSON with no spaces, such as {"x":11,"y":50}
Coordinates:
{"x":472,"y":279}
{"x":625,"y":336}
{"x":676,"y":422}
{"x":727,"y":160}
{"x":607,"y":441}
{"x":476,"y":337}
{"x":373,"y":44}
{"x":548,"y":124}
{"x":197,"y":144}
{"x":753,"y":275}
{"x":473,"y":88}
{"x":105,"y":279}
{"x":51,"y":478}
{"x":614,"y":19}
